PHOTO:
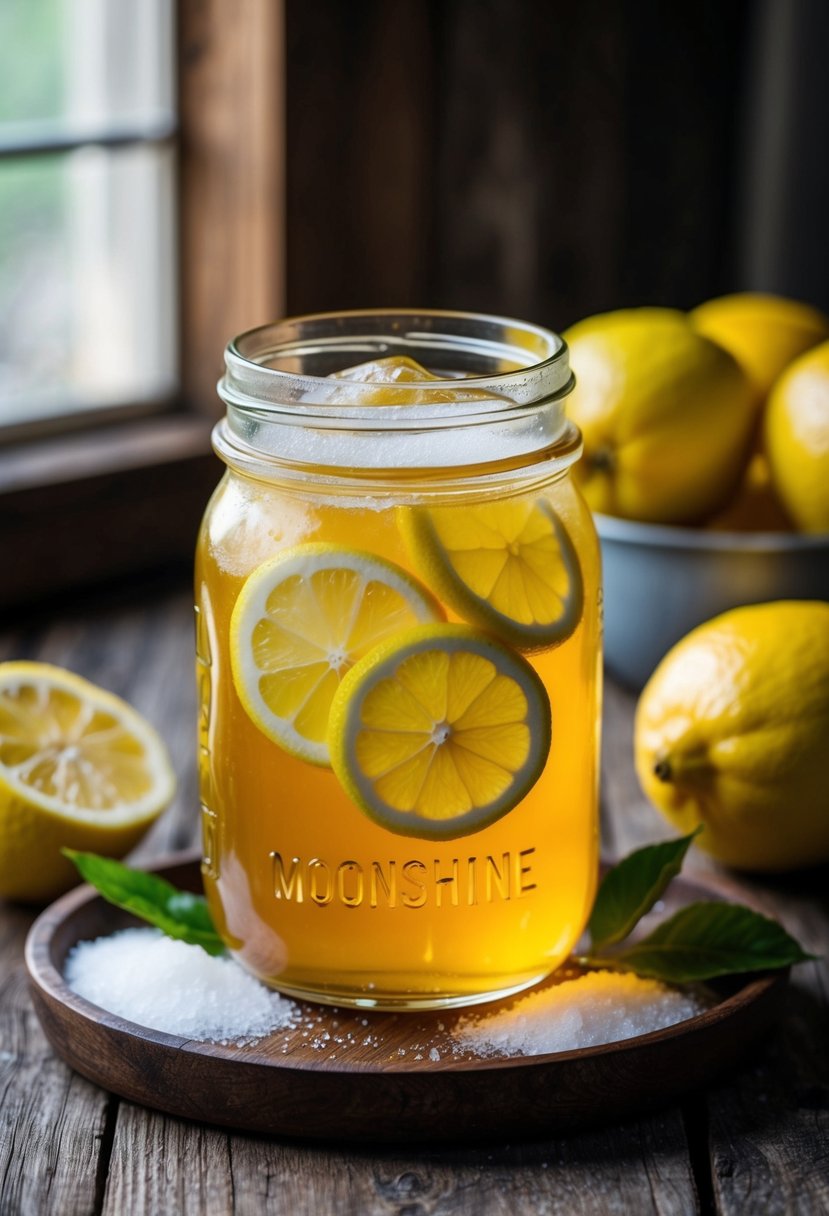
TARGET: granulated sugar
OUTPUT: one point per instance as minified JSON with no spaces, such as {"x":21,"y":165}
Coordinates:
{"x":600,"y":1007}
{"x":170,"y":986}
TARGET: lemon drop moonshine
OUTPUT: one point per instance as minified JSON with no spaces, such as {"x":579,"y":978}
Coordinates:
{"x":398,"y":657}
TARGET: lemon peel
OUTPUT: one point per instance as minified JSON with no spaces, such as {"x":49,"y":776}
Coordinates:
{"x":666,"y":415}
{"x":731,"y":733}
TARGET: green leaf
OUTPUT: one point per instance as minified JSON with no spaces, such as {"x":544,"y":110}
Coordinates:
{"x":632,"y":887}
{"x":179,"y":914}
{"x":706,"y":940}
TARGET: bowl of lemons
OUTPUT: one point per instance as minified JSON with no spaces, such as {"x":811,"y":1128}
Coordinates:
{"x":706,"y":463}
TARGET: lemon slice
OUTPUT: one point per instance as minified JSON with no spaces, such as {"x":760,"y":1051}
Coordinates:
{"x":508,"y":566}
{"x":301,"y":622}
{"x":78,"y":768}
{"x":439,"y":731}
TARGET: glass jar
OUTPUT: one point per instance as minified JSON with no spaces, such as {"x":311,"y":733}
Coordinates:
{"x":370,"y":544}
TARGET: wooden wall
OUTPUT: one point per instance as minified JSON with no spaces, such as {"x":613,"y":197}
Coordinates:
{"x":533,"y":157}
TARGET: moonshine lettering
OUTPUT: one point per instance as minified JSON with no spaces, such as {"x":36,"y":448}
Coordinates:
{"x":384,"y":881}
{"x":456,"y":882}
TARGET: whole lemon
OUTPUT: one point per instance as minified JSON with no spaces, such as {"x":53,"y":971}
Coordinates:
{"x":732,"y":732}
{"x":764,"y":333}
{"x":797,"y":439}
{"x":665,"y":413}
{"x":755,"y":507}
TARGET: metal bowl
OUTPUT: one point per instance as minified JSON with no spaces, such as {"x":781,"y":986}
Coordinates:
{"x":660,"y":582}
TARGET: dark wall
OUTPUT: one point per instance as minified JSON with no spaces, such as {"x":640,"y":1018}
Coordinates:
{"x":544,"y":159}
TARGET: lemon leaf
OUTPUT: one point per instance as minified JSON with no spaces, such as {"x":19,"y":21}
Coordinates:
{"x":632,"y":887}
{"x":179,"y":914}
{"x":707,"y":940}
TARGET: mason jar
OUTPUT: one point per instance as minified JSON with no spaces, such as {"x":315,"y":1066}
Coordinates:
{"x":398,"y":611}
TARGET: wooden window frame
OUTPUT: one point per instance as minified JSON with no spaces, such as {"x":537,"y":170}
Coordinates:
{"x":125,"y":495}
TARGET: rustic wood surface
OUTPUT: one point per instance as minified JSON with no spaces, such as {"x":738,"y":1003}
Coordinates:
{"x":755,"y":1143}
{"x":377,"y":1078}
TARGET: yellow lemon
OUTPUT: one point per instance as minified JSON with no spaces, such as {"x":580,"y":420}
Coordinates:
{"x":764,"y":333}
{"x":79,"y":768}
{"x":666,"y":416}
{"x":755,"y":507}
{"x":508,"y":566}
{"x":797,"y":439}
{"x":732,"y":732}
{"x":439,"y":732}
{"x":300,"y":622}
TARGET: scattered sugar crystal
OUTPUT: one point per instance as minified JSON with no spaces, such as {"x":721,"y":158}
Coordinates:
{"x":434,"y":1054}
{"x":170,"y":986}
{"x":600,"y":1007}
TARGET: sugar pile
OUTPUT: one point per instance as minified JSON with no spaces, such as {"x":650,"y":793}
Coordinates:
{"x":600,"y":1007}
{"x":167,"y":985}
{"x":170,"y":986}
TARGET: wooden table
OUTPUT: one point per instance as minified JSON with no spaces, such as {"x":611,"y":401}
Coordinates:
{"x":757,"y":1143}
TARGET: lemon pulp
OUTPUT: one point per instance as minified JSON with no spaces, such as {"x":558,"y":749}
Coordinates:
{"x":439,"y":732}
{"x":78,"y":768}
{"x":300,"y":623}
{"x":509,"y":566}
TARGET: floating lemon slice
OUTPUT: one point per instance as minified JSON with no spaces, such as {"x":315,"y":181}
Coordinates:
{"x":508,"y":566}
{"x":439,"y":732}
{"x":301,"y":622}
{"x":79,"y":768}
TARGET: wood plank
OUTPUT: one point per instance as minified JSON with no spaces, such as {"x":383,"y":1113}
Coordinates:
{"x":188,"y":1169}
{"x":628,"y":819}
{"x":769,"y":1126}
{"x":107,"y":514}
{"x":362,"y":82}
{"x":167,"y":1167}
{"x":53,"y":1124}
{"x":232,"y":194}
{"x":768,"y":1123}
{"x":539,"y":160}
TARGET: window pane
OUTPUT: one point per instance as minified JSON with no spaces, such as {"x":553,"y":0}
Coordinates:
{"x":87,"y":285}
{"x":85,"y":62}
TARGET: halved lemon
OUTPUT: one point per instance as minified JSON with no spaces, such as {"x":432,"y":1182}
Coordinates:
{"x":439,"y":731}
{"x":301,"y":622}
{"x":79,"y":768}
{"x":508,"y":566}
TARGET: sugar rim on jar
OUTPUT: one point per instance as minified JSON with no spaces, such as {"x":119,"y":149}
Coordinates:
{"x":283,"y":406}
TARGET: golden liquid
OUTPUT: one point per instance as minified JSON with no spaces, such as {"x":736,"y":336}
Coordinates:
{"x":315,"y":898}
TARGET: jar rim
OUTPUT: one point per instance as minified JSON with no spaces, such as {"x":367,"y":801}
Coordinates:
{"x":500,"y":395}
{"x":540,"y":371}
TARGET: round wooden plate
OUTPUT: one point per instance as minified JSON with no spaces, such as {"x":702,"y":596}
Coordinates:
{"x":361,"y":1076}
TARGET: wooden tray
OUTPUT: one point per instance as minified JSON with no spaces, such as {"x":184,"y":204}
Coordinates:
{"x":374,"y":1079}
